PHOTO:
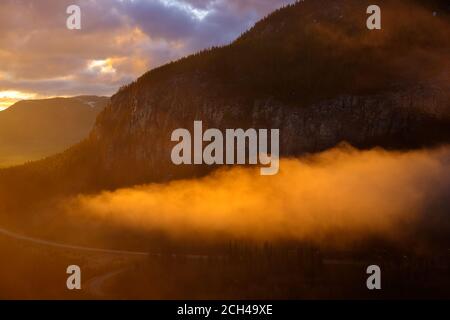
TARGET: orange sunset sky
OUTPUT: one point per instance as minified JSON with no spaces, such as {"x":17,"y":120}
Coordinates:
{"x":119,"y":40}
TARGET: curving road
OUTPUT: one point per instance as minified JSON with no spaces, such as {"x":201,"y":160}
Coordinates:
{"x":48,"y":243}
{"x":96,"y":284}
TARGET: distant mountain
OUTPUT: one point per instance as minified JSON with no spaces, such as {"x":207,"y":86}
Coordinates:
{"x":34,"y":129}
{"x":312,"y":69}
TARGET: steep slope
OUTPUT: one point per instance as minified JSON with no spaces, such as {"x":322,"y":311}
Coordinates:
{"x":312,"y":69}
{"x":33,"y":129}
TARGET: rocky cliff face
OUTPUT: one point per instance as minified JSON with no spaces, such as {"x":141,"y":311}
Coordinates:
{"x":316,"y":74}
{"x":133,"y":134}
{"x":312,"y":70}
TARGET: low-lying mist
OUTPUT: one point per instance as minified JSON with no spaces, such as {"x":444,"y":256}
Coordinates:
{"x":342,"y":192}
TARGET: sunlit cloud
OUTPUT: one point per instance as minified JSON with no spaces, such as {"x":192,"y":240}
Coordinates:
{"x":118,"y":42}
{"x":9,"y":97}
{"x":199,"y":14}
{"x":102,"y":66}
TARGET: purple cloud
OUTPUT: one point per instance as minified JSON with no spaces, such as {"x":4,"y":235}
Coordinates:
{"x":127,"y":37}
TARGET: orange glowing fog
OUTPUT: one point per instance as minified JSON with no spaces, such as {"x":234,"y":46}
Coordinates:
{"x":342,"y":191}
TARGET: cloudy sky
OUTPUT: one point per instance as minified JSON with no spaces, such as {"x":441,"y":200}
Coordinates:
{"x":119,"y":40}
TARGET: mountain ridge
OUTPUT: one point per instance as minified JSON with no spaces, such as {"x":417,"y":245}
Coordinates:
{"x":313,"y":71}
{"x":34,"y":129}
{"x":292,"y":59}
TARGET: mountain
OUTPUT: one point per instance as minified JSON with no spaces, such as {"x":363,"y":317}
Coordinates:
{"x":34,"y":129}
{"x":311,"y":69}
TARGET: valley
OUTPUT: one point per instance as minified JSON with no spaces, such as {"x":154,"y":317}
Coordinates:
{"x":363,"y":179}
{"x":31,"y":130}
